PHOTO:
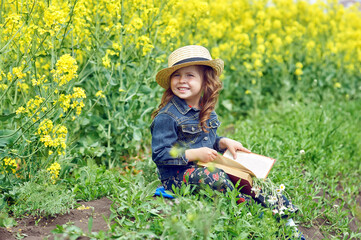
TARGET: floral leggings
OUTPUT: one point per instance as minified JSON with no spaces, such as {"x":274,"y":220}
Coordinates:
{"x":220,"y":181}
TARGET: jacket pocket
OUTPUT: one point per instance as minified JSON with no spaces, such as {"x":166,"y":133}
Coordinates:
{"x":190,"y":133}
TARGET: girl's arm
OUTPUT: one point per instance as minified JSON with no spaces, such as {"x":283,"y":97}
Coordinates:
{"x":203,"y":154}
{"x":164,"y":138}
{"x":233,"y":146}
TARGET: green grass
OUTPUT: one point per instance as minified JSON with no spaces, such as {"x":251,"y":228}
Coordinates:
{"x":323,"y":182}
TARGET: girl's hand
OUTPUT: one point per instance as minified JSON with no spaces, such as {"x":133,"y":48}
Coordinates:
{"x":233,"y":146}
{"x":203,"y":154}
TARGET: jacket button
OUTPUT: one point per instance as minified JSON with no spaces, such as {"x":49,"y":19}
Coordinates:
{"x":206,"y":138}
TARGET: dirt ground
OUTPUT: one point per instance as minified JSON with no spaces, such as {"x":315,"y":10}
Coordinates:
{"x":30,"y":228}
{"x":34,"y":229}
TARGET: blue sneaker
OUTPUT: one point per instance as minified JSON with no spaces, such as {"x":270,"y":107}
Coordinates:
{"x":160,"y":191}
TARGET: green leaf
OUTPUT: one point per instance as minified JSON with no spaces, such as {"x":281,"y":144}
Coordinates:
{"x":6,"y":221}
{"x":227,"y":104}
{"x":137,"y":135}
{"x":8,"y":137}
{"x":90,"y":224}
{"x":7,"y":116}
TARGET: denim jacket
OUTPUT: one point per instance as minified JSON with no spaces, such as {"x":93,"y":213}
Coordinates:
{"x":177,"y":124}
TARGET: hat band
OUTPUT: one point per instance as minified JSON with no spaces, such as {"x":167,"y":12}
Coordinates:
{"x":191,"y":60}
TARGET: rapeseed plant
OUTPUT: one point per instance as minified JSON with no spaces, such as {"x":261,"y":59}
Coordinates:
{"x":66,"y":69}
{"x":9,"y":164}
{"x":54,"y":170}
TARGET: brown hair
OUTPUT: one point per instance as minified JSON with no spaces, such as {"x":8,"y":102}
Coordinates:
{"x":211,"y":88}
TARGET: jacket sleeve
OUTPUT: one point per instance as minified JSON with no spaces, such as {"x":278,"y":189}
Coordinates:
{"x":164,"y":138}
{"x":216,"y":145}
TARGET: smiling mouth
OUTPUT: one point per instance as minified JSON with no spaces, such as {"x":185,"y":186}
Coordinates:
{"x":182,"y":88}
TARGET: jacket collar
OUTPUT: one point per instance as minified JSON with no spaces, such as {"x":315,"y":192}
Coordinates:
{"x":182,"y":105}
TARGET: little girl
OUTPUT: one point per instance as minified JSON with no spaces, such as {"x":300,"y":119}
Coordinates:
{"x":184,"y":127}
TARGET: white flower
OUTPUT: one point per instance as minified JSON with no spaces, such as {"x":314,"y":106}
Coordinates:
{"x":291,"y":209}
{"x":283,"y":208}
{"x":256,"y":191}
{"x":282,"y":187}
{"x":249,"y":214}
{"x":275,"y":211}
{"x":272,"y":200}
{"x":302,"y":152}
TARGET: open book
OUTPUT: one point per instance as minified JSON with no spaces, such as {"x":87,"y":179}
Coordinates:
{"x":246,"y":166}
{"x":257,"y":165}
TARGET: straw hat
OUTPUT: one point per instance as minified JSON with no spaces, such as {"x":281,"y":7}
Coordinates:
{"x":187,"y":56}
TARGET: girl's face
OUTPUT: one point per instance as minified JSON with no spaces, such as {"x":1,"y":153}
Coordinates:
{"x":186,"y":83}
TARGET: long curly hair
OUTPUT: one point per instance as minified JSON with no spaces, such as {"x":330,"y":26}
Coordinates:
{"x":211,"y":88}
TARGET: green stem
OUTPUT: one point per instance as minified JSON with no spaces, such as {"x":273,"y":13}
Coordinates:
{"x":1,"y":10}
{"x":30,"y":155}
{"x":93,"y":105}
{"x":67,"y":25}
{"x":16,"y":78}
{"x":31,"y":125}
{"x":109,"y":130}
{"x":46,"y":100}
{"x":10,"y":40}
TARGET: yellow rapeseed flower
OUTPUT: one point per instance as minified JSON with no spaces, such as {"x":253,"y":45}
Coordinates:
{"x":3,"y":86}
{"x":66,"y":68}
{"x":39,"y":80}
{"x":23,"y":87}
{"x":78,"y":93}
{"x":54,"y":170}
{"x":299,"y":65}
{"x":10,"y":164}
{"x":18,"y":72}
{"x":20,"y":110}
{"x":298,"y":72}
{"x":100,"y":94}
{"x":106,"y":61}
{"x":45,"y":127}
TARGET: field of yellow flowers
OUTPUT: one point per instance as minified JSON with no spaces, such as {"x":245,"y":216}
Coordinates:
{"x":77,"y":77}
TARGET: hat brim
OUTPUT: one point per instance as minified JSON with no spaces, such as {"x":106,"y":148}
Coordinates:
{"x":163,"y":76}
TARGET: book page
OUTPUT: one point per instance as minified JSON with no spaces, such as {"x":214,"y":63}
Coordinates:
{"x":258,"y":164}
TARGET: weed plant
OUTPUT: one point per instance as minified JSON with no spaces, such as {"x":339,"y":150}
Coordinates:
{"x":39,"y":197}
{"x":92,"y":181}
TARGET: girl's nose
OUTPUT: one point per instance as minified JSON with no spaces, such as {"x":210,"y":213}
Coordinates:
{"x":182,"y":79}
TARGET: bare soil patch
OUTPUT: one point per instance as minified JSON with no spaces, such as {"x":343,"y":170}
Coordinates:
{"x":314,"y":231}
{"x":32,"y":228}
